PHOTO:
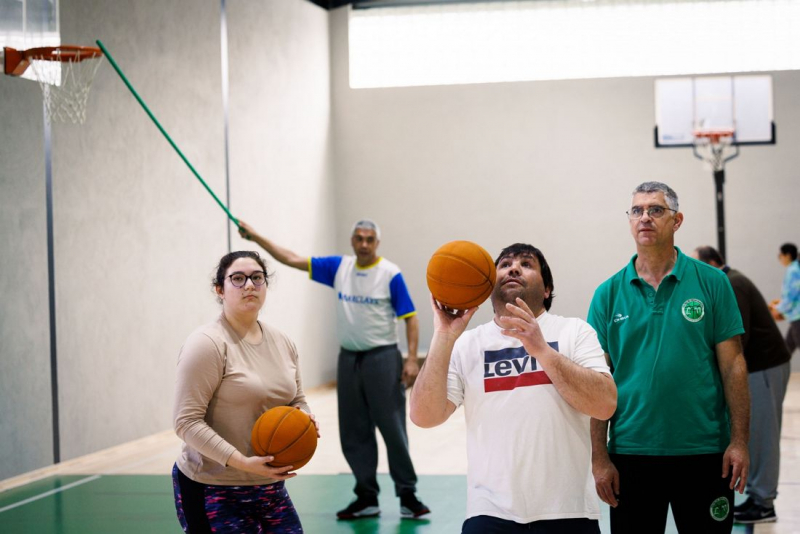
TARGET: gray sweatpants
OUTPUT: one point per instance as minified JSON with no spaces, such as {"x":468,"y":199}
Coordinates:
{"x":767,"y":391}
{"x":371,"y":394}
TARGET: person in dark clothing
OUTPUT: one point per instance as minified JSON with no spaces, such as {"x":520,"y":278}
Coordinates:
{"x":768,"y":367}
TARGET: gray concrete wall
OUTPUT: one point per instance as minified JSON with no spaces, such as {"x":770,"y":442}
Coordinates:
{"x":136,"y":236}
{"x":25,"y":420}
{"x":281,"y":161}
{"x":549,"y":163}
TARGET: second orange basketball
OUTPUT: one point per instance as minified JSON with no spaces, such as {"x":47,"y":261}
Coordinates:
{"x":286,"y":433}
{"x":461,"y":275}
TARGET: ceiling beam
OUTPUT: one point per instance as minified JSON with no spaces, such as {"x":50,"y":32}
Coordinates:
{"x":370,"y":4}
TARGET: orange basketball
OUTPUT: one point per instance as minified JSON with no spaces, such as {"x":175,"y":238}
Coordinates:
{"x":286,"y":433}
{"x":461,"y":275}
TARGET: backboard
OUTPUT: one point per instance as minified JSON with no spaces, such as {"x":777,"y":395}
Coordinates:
{"x":685,"y":106}
{"x":28,"y":24}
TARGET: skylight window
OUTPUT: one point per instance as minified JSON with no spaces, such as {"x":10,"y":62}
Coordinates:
{"x":569,"y":39}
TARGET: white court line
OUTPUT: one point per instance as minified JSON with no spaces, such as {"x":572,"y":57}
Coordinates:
{"x":48,"y":493}
{"x":81,"y":482}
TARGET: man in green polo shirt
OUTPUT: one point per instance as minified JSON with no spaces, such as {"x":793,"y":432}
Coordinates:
{"x":670,"y":327}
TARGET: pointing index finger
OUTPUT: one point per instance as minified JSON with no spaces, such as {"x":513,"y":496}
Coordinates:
{"x":524,"y":305}
{"x":522,"y":313}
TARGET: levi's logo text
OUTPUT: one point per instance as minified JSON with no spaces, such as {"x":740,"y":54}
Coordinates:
{"x":358,"y":299}
{"x":507,"y":369}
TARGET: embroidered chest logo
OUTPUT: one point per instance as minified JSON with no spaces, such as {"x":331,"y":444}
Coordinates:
{"x":693,"y":310}
{"x":507,"y":369}
{"x":619,"y":317}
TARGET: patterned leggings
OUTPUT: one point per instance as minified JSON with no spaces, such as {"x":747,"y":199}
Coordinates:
{"x":204,"y":508}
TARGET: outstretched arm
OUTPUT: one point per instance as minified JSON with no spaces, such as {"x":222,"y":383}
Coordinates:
{"x":283,"y":255}
{"x":586,"y":390}
{"x":733,"y":371}
{"x":429,"y":403}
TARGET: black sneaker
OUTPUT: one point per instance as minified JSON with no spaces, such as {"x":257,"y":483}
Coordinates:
{"x":411,"y":507}
{"x":360,"y":508}
{"x":739,"y":508}
{"x":756,"y":514}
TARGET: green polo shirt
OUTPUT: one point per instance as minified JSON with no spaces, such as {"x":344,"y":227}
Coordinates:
{"x":661,"y":344}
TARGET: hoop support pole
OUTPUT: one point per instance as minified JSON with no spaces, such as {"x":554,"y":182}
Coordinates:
{"x":719,"y":182}
{"x":164,"y":132}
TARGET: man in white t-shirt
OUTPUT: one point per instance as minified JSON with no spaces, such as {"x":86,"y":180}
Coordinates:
{"x":529,"y":381}
{"x":371,"y":297}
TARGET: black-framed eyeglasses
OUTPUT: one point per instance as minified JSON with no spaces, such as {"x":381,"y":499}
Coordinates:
{"x":654,"y":212}
{"x":259,"y":278}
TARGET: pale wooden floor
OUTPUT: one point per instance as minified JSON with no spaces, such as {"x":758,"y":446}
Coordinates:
{"x":438,"y":451}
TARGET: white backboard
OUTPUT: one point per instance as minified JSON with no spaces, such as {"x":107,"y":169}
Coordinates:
{"x":739,"y":103}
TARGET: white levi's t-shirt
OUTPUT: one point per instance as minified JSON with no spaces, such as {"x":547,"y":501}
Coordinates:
{"x":528,"y":451}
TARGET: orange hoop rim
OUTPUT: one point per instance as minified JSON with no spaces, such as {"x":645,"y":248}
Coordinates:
{"x":62,"y":53}
{"x":16,"y":62}
{"x":714,"y":135}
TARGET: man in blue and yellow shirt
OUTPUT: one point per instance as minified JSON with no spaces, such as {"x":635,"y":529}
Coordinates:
{"x":371,"y":376}
{"x":670,"y":328}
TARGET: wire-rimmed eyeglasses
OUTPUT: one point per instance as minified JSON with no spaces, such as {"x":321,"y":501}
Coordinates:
{"x":654,"y":212}
{"x":259,"y":278}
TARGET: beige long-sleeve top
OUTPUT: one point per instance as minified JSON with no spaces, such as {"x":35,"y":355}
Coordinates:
{"x":223,"y":385}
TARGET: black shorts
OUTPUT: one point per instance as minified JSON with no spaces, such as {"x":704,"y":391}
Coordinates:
{"x":484,"y":524}
{"x":701,"y":499}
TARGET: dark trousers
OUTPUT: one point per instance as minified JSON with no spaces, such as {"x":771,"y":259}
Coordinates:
{"x":484,"y":524}
{"x":693,"y":486}
{"x":370,"y":395}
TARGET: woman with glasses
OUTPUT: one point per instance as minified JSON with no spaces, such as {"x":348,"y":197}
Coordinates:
{"x":229,"y":372}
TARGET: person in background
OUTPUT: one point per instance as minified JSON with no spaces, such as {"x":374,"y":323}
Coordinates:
{"x":371,"y":377}
{"x":788,"y":306}
{"x":769,"y":370}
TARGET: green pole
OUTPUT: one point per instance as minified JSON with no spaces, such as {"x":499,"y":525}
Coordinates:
{"x":163,"y":132}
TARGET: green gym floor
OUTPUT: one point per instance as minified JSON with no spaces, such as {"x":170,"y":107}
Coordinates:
{"x":136,"y":504}
{"x":128,"y":488}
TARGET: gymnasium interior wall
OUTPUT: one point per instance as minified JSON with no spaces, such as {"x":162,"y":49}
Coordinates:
{"x":25,"y":422}
{"x":552,"y":164}
{"x":136,"y":237}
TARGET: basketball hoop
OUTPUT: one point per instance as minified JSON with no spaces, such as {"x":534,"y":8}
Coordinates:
{"x":65,"y":74}
{"x":711,"y":146}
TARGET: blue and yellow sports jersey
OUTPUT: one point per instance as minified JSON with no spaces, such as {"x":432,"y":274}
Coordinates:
{"x":369,"y":299}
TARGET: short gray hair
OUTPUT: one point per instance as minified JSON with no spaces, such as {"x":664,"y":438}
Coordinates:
{"x":367,"y":224}
{"x":657,"y":187}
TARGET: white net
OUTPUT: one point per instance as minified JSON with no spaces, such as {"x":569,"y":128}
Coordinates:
{"x":66,"y":82}
{"x":715,"y":148}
